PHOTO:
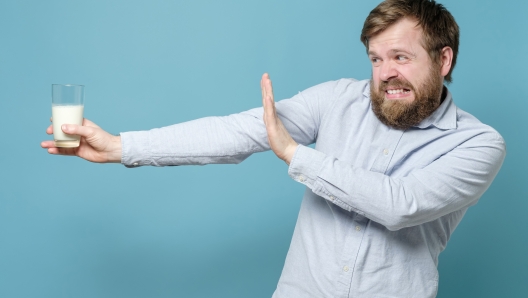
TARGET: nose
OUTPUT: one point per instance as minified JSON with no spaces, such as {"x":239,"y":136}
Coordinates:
{"x":387,"y":71}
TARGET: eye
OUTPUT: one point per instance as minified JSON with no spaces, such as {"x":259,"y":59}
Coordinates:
{"x":401,"y":58}
{"x":374,"y":60}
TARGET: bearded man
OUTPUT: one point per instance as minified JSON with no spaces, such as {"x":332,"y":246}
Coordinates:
{"x":395,"y":166}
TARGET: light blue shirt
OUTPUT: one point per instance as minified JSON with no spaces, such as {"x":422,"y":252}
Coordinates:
{"x":380,"y":203}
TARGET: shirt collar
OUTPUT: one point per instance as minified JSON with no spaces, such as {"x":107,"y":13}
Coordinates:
{"x":444,"y":117}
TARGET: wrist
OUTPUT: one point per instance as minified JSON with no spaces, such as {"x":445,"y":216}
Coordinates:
{"x":290,"y":152}
{"x":114,"y":154}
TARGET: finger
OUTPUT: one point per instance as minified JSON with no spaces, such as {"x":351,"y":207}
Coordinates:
{"x":269,"y":93}
{"x":52,"y":149}
{"x":86,"y":122}
{"x":267,"y":86}
{"x":47,"y":144}
{"x":83,"y":131}
{"x":61,"y":151}
{"x":265,"y":76}
{"x":265,"y":102}
{"x":55,"y":151}
{"x":269,"y":113}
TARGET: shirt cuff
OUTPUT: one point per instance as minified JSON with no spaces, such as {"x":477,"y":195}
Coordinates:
{"x":135,"y":149}
{"x":305,"y":165}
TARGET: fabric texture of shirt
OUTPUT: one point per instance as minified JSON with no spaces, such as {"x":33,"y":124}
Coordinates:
{"x":380,"y":203}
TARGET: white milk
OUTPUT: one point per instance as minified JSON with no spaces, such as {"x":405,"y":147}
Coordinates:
{"x":70,"y":114}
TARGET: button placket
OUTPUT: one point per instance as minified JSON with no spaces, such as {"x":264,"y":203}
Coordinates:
{"x":386,"y":148}
{"x":350,"y":258}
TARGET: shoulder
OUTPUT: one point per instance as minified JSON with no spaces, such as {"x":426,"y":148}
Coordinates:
{"x":339,"y":89}
{"x":469,"y":124}
{"x":341,"y":85}
{"x":480,"y":140}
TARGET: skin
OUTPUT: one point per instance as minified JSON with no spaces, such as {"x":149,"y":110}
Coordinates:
{"x":96,"y":144}
{"x":395,"y":52}
{"x":279,"y":139}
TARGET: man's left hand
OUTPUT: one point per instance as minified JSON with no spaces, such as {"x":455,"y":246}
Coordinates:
{"x":279,"y":139}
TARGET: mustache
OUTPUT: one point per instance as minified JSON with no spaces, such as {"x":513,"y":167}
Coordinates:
{"x":396,"y":82}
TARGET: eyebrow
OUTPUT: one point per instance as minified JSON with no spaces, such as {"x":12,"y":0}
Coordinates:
{"x":392,"y":52}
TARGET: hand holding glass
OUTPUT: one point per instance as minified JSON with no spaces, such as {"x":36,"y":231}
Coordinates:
{"x":67,"y":106}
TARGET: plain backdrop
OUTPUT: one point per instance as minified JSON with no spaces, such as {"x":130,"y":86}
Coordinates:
{"x":70,"y":228}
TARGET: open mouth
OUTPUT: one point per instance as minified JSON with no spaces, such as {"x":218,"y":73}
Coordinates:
{"x":398,"y":91}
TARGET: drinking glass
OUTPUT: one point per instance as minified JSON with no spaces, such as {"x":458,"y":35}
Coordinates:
{"x":67,"y":106}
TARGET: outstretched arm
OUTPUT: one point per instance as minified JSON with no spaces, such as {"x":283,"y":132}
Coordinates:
{"x":212,"y":140}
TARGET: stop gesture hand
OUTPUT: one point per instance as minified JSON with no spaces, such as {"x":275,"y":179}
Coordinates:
{"x":279,"y":139}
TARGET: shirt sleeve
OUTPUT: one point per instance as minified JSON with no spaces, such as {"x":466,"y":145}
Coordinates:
{"x":453,"y":181}
{"x":229,"y":139}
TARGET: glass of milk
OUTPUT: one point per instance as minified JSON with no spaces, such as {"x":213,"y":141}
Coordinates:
{"x":67,"y":105}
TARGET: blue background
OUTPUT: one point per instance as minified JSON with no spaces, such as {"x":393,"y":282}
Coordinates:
{"x":69,"y":228}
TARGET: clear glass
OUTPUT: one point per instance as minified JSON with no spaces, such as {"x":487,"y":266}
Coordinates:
{"x":67,"y":107}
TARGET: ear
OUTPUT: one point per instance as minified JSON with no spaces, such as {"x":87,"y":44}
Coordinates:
{"x":446,"y":57}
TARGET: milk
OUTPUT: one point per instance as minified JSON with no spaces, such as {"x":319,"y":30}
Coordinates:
{"x":66,"y":114}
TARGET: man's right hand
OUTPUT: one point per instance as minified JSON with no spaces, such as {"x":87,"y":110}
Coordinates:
{"x":96,"y":144}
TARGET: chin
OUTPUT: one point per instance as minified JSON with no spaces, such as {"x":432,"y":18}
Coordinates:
{"x":408,"y":99}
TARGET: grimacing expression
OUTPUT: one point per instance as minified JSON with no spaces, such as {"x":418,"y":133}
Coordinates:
{"x":401,"y":114}
{"x":406,"y":85}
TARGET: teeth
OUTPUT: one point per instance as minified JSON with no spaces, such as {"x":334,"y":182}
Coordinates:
{"x":396,"y":91}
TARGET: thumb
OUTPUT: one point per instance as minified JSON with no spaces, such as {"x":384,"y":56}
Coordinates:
{"x":83,"y":131}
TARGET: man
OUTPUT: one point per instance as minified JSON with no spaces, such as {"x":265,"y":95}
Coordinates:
{"x":395,"y":166}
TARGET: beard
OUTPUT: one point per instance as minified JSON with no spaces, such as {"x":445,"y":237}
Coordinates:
{"x":401,"y":114}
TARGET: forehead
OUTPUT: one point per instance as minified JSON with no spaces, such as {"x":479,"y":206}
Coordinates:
{"x":404,"y":34}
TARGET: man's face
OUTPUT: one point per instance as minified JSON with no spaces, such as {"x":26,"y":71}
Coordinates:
{"x":406,"y":85}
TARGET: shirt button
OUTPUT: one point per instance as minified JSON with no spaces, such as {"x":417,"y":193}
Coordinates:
{"x":386,"y":151}
{"x":332,"y":198}
{"x":358,"y":228}
{"x":135,"y":164}
{"x":345,"y":268}
{"x":302,"y":179}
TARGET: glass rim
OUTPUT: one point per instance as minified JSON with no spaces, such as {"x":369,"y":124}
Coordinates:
{"x":68,"y":85}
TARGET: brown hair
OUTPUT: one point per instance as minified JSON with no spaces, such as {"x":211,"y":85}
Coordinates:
{"x":439,"y":27}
